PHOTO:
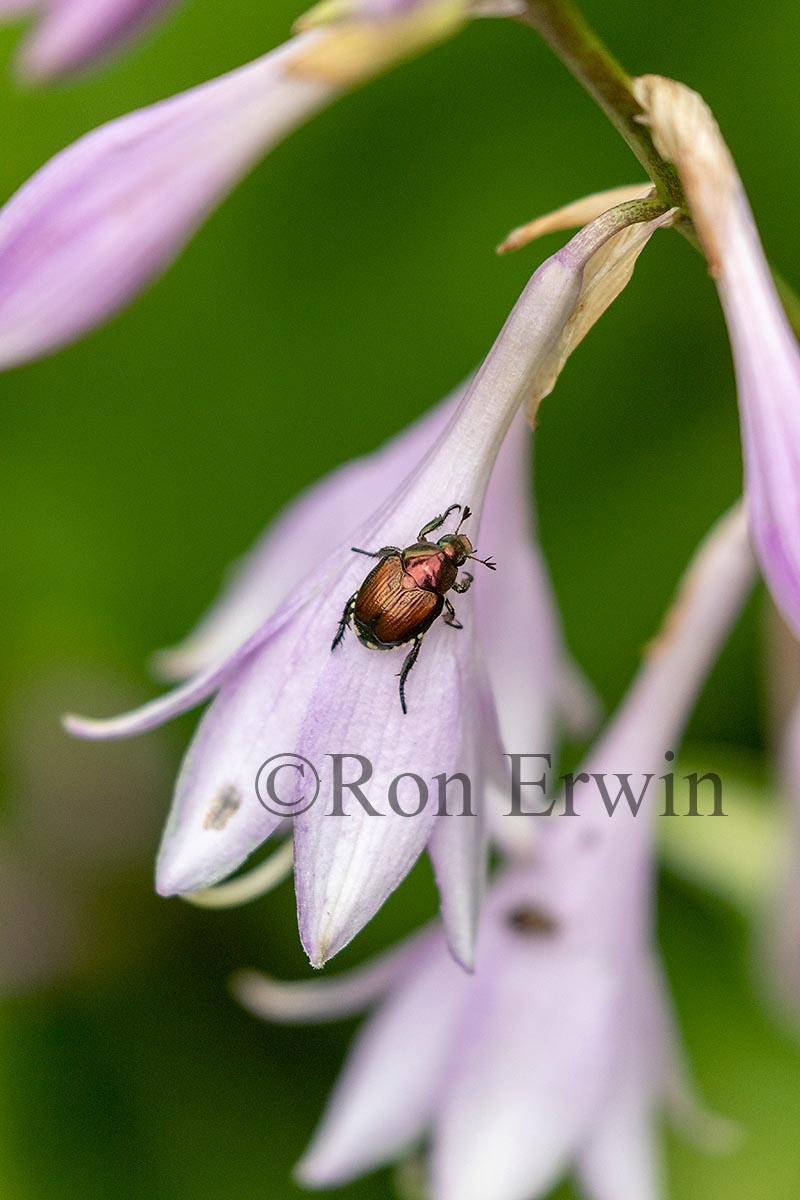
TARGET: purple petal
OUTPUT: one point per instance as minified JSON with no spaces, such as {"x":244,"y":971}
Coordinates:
{"x":386,"y":1095}
{"x":218,"y":817}
{"x":765,"y":351}
{"x":530,"y":1061}
{"x":346,"y":866}
{"x":74,"y":33}
{"x":102,"y":218}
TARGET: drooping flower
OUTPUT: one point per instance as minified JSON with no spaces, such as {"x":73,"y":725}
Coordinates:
{"x":558,"y":1050}
{"x":765,"y":351}
{"x":536,"y":684}
{"x":283,"y":692}
{"x":108,"y":214}
{"x":72,"y":34}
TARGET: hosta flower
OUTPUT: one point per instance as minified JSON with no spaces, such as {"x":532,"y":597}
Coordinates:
{"x":285,"y":692}
{"x":71,"y":34}
{"x":765,"y":350}
{"x":535,"y":683}
{"x":558,"y":1050}
{"x":107,"y":215}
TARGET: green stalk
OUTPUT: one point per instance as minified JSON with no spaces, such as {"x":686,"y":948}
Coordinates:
{"x":566,"y":31}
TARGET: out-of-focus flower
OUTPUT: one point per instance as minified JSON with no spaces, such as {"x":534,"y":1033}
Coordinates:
{"x":107,"y":215}
{"x":72,"y":34}
{"x":284,"y":692}
{"x":558,"y":1051}
{"x":765,"y":350}
{"x":780,"y":944}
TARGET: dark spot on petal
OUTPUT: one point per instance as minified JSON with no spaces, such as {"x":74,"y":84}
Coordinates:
{"x":222,"y":808}
{"x":533,"y":922}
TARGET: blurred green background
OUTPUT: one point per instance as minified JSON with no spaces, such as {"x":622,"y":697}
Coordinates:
{"x":348,"y":284}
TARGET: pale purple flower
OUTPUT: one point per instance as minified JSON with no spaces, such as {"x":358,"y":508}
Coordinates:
{"x":536,"y":684}
{"x":110,"y":212}
{"x":561,"y":1047}
{"x":72,"y":34}
{"x":765,"y":350}
{"x":285,"y":692}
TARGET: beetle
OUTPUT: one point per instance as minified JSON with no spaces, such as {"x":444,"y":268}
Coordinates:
{"x":405,"y":593}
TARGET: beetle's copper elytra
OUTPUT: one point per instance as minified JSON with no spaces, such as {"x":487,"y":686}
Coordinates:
{"x":404,"y":594}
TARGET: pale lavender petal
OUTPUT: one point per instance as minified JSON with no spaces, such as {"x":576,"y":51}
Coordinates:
{"x":530,"y":1061}
{"x":102,"y":218}
{"x":765,"y":351}
{"x":73,"y":33}
{"x":346,"y":866}
{"x":458,"y":847}
{"x":386,"y":1095}
{"x":620,"y":1159}
{"x":333,"y":997}
{"x":218,"y":816}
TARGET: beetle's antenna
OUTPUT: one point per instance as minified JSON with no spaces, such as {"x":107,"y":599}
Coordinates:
{"x":464,"y":516}
{"x":487,"y":562}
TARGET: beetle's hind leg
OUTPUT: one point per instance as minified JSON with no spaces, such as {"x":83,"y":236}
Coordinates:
{"x":463,"y":583}
{"x":384,"y":551}
{"x":436,"y":522}
{"x":411,"y":658}
{"x":344,"y":624}
{"x":450,"y":617}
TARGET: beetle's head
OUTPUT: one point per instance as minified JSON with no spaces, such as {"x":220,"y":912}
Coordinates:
{"x":457,"y":546}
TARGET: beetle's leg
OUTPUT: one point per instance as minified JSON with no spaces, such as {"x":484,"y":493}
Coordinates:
{"x":384,"y":551}
{"x":436,"y":522}
{"x":463,"y":584}
{"x":344,"y":624}
{"x":450,"y":617}
{"x":411,"y":658}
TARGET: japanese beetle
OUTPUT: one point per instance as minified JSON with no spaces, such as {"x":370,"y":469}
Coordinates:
{"x":404,"y":594}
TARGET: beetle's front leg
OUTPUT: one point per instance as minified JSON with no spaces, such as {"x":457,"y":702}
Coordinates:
{"x":436,"y":522}
{"x":463,"y":584}
{"x":344,"y":624}
{"x":411,"y":658}
{"x":450,"y":617}
{"x":384,"y":551}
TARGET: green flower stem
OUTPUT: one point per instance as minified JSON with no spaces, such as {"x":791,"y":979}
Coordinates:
{"x":594,"y":66}
{"x":566,"y":31}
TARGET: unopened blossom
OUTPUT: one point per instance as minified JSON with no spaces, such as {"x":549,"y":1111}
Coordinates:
{"x":557,"y":1052}
{"x":285,"y":692}
{"x":69,"y":35}
{"x":765,"y":350}
{"x":108,"y":214}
